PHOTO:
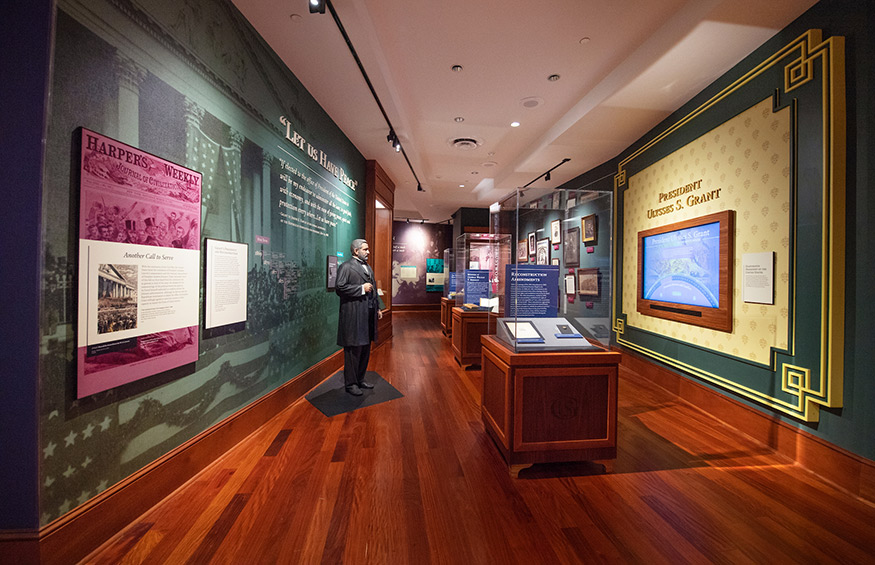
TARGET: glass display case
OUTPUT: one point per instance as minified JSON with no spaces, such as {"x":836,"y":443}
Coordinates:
{"x":449,"y":274}
{"x":557,"y":288}
{"x":480,"y":259}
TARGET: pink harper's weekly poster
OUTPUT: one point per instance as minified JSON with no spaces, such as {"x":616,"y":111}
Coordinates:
{"x":139,"y":264}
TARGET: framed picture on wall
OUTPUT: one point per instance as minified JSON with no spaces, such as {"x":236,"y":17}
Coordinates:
{"x":590,"y":227}
{"x":331,"y":272}
{"x":554,"y":261}
{"x":522,"y":251}
{"x":555,"y":232}
{"x":543,"y":255}
{"x":533,"y":248}
{"x":571,"y":251}
{"x":588,"y":282}
{"x":557,"y":198}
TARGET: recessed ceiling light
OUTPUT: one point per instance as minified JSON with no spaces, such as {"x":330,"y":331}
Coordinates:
{"x":489,"y":164}
{"x":584,"y":40}
{"x":461,"y":186}
{"x":475,"y":172}
{"x":459,"y":119}
{"x":553,"y":78}
{"x":514,"y":124}
{"x":296,"y":18}
{"x":456,"y":68}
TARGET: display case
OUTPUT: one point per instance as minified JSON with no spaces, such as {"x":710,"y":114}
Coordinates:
{"x":549,"y":377}
{"x":479,"y":260}
{"x":448,"y":300}
{"x":557,"y":289}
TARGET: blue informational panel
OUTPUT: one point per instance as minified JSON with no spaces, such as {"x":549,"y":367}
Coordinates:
{"x":531,"y":291}
{"x":476,"y":285}
{"x":452,"y":281}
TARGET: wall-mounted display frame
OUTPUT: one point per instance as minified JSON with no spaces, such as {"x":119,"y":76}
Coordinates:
{"x":522,"y":255}
{"x":543,"y":252}
{"x":331,"y":272}
{"x":589,"y":228}
{"x":685,"y":271}
{"x":588,"y":281}
{"x":533,"y":246}
{"x":571,"y":251}
{"x":556,"y":232}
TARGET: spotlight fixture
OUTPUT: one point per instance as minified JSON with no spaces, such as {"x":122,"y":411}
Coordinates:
{"x":456,"y":68}
{"x":393,"y":141}
{"x":514,"y":124}
{"x":419,"y":188}
{"x":547,"y":176}
{"x":317,"y":6}
{"x":553,"y":78}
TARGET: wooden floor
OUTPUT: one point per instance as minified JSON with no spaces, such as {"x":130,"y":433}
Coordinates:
{"x":417,"y":480}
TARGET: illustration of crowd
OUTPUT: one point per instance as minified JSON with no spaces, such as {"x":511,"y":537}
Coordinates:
{"x":140,"y":226}
{"x":116,"y":318}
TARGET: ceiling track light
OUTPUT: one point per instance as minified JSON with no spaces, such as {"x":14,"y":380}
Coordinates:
{"x":317,"y":6}
{"x":546,"y":175}
{"x":320,"y":6}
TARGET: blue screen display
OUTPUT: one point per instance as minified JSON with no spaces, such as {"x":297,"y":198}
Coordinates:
{"x":683,"y":266}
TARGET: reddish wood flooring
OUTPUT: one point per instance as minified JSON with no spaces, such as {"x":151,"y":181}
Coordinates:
{"x":417,"y":480}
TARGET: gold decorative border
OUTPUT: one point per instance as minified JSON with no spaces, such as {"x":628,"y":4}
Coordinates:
{"x":795,"y":381}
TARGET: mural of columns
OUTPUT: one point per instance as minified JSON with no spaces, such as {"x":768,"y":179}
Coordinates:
{"x":237,"y":140}
{"x":267,"y":162}
{"x":130,"y":76}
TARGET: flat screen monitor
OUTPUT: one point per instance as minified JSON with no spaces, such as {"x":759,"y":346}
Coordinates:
{"x":685,"y":271}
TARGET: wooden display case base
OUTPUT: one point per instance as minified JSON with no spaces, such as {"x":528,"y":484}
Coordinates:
{"x":549,"y":407}
{"x":468,"y":326}
{"x":447,"y":316}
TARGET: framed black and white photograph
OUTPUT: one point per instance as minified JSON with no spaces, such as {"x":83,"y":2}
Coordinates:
{"x":543,"y":255}
{"x":588,"y":282}
{"x":331,"y":272}
{"x":571,"y":251}
{"x":522,"y":252}
{"x":590,"y":226}
{"x":533,"y":248}
{"x":556,"y":232}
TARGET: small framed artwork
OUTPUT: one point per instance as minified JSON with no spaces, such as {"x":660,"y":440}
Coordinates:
{"x":555,"y":231}
{"x":533,"y":248}
{"x":569,"y":284}
{"x":554,"y":261}
{"x":543,"y":255}
{"x":571,"y":202}
{"x":522,"y":251}
{"x":331,"y":268}
{"x":557,"y":197}
{"x":588,"y":282}
{"x":590,"y":228}
{"x":571,"y":252}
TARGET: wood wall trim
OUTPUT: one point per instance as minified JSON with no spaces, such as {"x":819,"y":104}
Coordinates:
{"x":76,"y":534}
{"x":830,"y":462}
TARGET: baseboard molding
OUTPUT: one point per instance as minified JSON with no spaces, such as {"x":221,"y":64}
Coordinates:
{"x":76,"y":534}
{"x":416,"y":307}
{"x":832,"y":463}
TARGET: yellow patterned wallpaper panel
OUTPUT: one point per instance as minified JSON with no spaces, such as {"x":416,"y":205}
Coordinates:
{"x":743,"y":165}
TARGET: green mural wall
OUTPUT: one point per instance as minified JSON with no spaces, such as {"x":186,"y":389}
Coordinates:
{"x":191,"y":82}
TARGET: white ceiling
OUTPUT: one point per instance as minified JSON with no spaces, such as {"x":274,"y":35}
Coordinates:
{"x":624,"y":65}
